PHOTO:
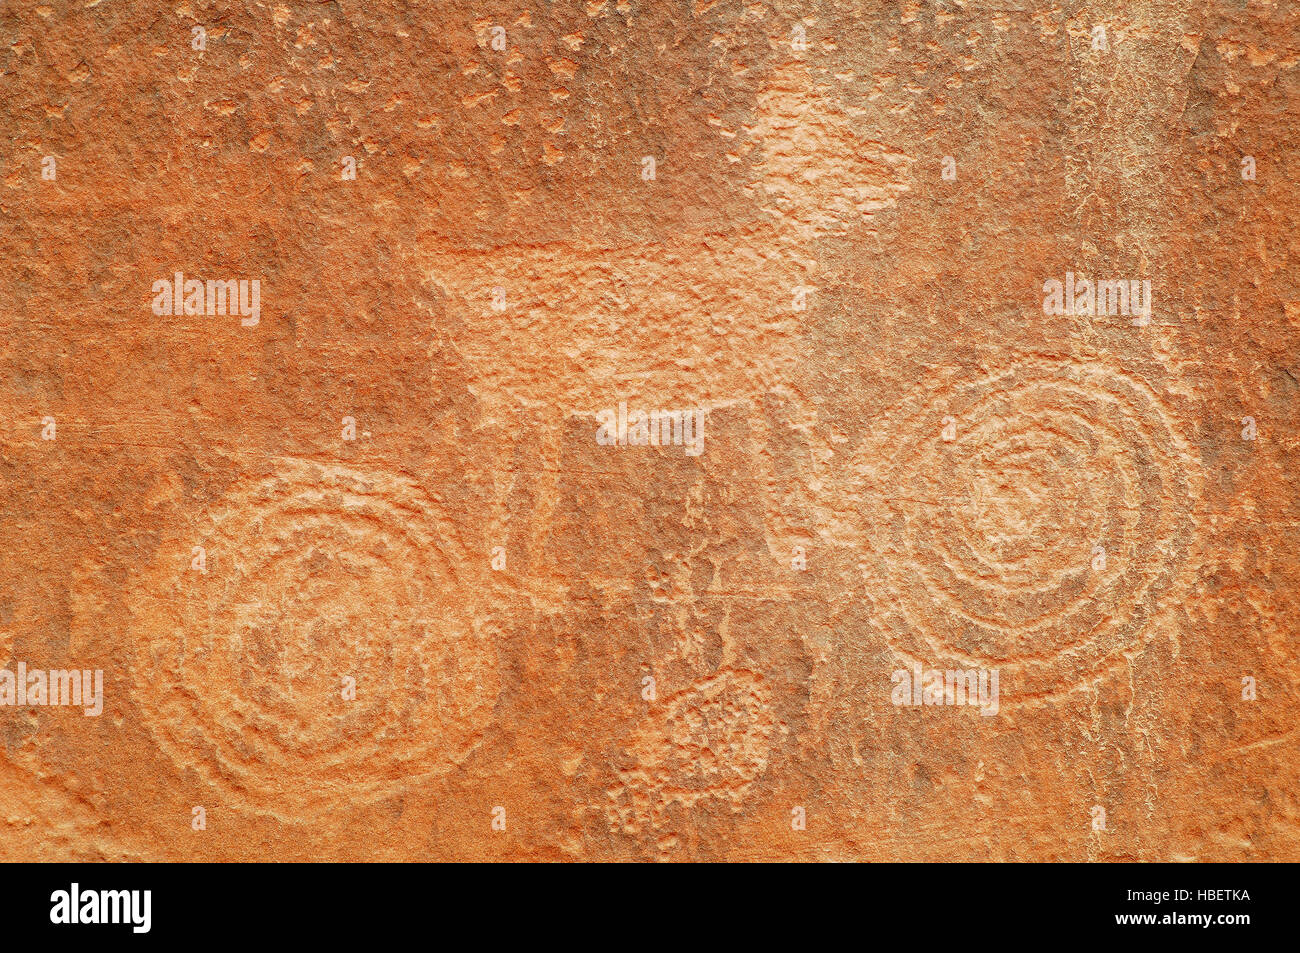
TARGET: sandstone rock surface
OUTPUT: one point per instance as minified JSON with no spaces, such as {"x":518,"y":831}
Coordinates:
{"x":363,"y":582}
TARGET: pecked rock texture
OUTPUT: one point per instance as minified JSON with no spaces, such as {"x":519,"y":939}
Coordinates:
{"x":385,"y":564}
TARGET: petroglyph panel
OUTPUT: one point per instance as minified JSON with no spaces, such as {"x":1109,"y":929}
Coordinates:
{"x":649,"y":431}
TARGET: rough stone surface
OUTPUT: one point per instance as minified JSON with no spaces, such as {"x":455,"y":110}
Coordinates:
{"x":907,"y":463}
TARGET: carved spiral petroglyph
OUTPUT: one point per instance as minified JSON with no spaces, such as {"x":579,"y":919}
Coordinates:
{"x":315,"y":574}
{"x":984,"y":544}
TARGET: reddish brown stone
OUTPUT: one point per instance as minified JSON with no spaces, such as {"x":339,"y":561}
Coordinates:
{"x":639,"y":652}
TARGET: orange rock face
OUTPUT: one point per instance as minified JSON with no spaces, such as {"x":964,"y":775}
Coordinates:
{"x":649,"y":431}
